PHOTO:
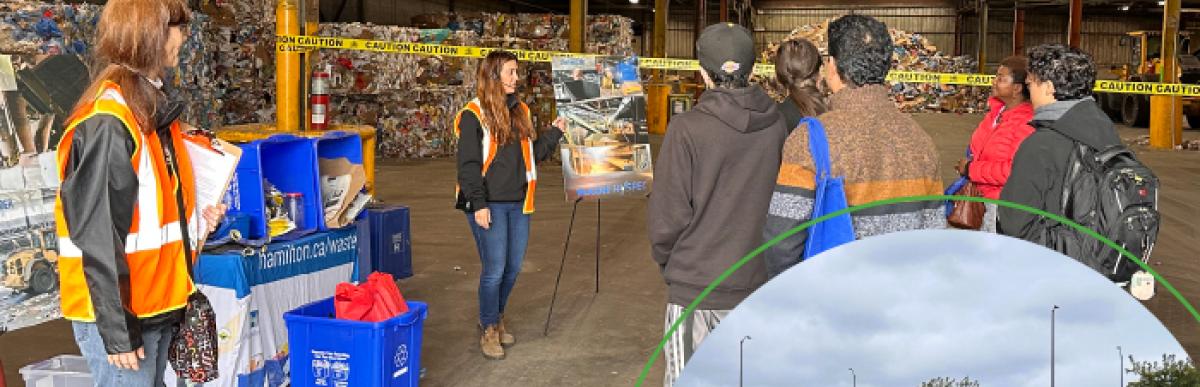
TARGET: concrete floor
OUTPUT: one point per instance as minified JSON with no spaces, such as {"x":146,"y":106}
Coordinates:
{"x":604,"y":339}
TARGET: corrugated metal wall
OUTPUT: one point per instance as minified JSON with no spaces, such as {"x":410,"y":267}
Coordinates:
{"x":1101,"y":34}
{"x":681,"y":35}
{"x":936,"y":24}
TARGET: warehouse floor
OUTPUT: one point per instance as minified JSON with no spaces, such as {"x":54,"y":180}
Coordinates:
{"x":604,"y":339}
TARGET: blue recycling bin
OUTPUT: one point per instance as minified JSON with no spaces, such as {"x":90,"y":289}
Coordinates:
{"x":290,"y":163}
{"x":327,"y":352}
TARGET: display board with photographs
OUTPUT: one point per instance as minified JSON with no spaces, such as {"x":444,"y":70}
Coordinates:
{"x":607,"y":149}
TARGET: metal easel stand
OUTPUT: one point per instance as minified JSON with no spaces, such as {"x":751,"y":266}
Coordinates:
{"x":563,"y":261}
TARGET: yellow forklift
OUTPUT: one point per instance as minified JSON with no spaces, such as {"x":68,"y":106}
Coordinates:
{"x":1145,"y":65}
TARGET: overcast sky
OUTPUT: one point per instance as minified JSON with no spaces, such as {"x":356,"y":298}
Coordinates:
{"x":908,"y":307}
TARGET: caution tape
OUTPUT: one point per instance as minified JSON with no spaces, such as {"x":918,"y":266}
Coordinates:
{"x":1152,"y":88}
{"x":941,"y":78}
{"x":297,"y":43}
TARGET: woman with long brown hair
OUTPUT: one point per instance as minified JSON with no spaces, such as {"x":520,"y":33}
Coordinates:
{"x":798,"y":68}
{"x":127,"y":184}
{"x":498,"y":151}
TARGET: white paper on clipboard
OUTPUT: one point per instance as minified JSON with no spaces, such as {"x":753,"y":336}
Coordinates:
{"x":213,"y":168}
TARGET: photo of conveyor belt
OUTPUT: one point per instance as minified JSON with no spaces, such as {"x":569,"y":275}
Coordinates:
{"x":607,"y":148}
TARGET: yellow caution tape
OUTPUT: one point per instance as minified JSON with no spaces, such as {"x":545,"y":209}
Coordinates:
{"x":296,"y":43}
{"x":941,"y":78}
{"x":1154,"y":88}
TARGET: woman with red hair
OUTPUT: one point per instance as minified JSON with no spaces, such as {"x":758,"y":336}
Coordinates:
{"x":125,"y":200}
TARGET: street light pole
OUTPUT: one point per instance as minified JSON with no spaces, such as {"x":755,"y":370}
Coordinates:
{"x":854,"y":377}
{"x":1052,"y":310}
{"x":1121,"y":356}
{"x":741,"y":352}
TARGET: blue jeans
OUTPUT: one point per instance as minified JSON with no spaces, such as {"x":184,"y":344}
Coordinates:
{"x":156,"y":341}
{"x":501,"y":250}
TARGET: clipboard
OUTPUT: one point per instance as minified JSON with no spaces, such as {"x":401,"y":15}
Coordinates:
{"x":214,"y":162}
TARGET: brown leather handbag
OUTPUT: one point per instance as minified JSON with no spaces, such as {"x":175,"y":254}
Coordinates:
{"x":967,"y":215}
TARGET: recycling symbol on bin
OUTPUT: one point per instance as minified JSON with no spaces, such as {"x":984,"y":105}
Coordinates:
{"x":401,"y":355}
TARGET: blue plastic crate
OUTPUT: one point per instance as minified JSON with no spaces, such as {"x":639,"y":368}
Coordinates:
{"x":290,"y":163}
{"x":391,"y":240}
{"x":246,"y":194}
{"x":337,"y":145}
{"x":327,"y":352}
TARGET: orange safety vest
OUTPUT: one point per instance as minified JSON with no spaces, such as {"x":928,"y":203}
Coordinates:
{"x":158,"y":275}
{"x":490,"y":149}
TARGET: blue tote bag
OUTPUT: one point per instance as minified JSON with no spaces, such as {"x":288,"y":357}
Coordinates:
{"x":831,"y":197}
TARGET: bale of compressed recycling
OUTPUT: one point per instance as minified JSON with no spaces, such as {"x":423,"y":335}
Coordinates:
{"x":912,"y":52}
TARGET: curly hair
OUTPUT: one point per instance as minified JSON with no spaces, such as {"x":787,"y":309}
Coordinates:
{"x":1070,"y":70}
{"x":863,"y":49}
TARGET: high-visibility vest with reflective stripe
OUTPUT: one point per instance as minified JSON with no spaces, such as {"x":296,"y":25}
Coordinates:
{"x":158,"y":276}
{"x":490,"y":148}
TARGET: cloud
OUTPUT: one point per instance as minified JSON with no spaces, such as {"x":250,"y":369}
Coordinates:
{"x":907,"y":307}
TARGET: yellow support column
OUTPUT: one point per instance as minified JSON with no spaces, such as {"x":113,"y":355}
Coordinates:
{"x":310,"y":14}
{"x":658,"y":90}
{"x":577,"y":34}
{"x":983,"y":37}
{"x":1166,"y":112}
{"x":287,"y":69}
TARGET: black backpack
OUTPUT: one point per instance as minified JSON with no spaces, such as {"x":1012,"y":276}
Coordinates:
{"x":1113,"y":193}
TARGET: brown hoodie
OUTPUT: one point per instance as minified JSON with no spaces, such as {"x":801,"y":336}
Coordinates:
{"x":712,"y":187}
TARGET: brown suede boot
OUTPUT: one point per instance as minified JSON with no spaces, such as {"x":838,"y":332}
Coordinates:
{"x":506,"y":339}
{"x":490,"y":343}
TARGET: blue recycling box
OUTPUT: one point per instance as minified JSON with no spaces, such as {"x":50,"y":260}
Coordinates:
{"x":391,"y":240}
{"x":336,"y":145}
{"x":290,"y":163}
{"x":327,"y":352}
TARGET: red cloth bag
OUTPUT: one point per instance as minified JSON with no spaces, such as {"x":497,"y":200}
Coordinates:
{"x":376,"y":300}
{"x":387,"y":292}
{"x":352,"y":302}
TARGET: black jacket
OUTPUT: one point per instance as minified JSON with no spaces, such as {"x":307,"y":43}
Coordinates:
{"x":1039,"y":169}
{"x":713,"y":181}
{"x":505,"y":181}
{"x":99,"y":194}
{"x":791,"y":113}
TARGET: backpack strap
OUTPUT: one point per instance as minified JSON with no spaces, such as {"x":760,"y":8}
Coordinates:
{"x":818,"y":146}
{"x":1112,"y":152}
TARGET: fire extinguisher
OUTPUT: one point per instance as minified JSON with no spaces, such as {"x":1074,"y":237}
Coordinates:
{"x":320,"y":100}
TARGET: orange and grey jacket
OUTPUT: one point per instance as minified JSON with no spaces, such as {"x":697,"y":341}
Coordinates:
{"x":489,"y":172}
{"x":121,"y":263}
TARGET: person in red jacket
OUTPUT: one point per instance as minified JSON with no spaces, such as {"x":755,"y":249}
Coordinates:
{"x":997,"y":138}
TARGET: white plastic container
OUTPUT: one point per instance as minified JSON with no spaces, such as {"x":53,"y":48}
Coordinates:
{"x":59,"y":371}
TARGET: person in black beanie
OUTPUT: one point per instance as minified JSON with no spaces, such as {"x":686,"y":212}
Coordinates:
{"x":713,"y":182}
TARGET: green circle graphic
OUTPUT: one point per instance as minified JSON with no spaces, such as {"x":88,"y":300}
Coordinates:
{"x":907,"y":199}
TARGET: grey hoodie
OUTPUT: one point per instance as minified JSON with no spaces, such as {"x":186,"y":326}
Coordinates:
{"x":1056,"y":110}
{"x":713,"y":181}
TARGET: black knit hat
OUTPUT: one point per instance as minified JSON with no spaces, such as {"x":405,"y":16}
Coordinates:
{"x":725,"y":48}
